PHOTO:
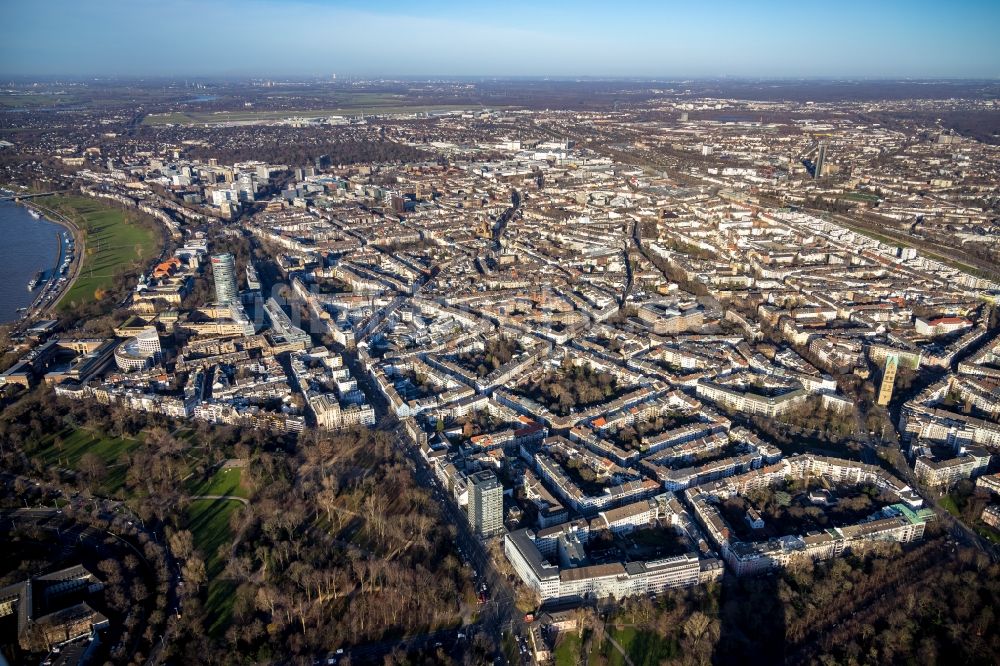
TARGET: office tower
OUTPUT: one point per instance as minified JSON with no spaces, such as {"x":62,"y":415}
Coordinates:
{"x":485,"y":503}
{"x":684,"y":117}
{"x":888,"y":379}
{"x":820,"y":160}
{"x":224,"y":271}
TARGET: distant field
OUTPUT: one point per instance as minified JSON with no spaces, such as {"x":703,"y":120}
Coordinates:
{"x":111,"y":243}
{"x":861,"y":196}
{"x":167,"y":119}
{"x":208,"y":521}
{"x":37,"y":100}
{"x":203,"y":118}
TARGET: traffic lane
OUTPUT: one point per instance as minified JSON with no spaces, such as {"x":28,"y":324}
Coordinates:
{"x":378,"y":651}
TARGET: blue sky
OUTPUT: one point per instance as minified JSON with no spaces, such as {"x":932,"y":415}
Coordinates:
{"x":878,"y":38}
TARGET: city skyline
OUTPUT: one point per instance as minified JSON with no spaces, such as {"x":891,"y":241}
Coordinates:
{"x":638,"y":39}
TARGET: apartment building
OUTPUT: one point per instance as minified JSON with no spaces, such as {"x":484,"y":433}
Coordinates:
{"x":946,"y":473}
{"x":485,"y":509}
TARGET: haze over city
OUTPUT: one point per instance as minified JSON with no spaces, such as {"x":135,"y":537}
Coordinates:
{"x":922,"y":39}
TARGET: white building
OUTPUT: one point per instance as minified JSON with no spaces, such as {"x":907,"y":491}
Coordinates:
{"x":485,"y":503}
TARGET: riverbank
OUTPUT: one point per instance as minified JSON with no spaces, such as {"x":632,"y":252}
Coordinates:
{"x":109,"y":243}
{"x":27,"y":251}
{"x":73,"y":272}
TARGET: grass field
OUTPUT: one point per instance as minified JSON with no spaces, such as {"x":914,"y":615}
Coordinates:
{"x":111,"y":243}
{"x":174,"y":118}
{"x":223,"y":482}
{"x":948,"y":504}
{"x":866,"y":197}
{"x":954,"y":505}
{"x":567,"y":652}
{"x":208,"y":521}
{"x":34,"y":101}
{"x":644,"y":648}
{"x":66,"y":447}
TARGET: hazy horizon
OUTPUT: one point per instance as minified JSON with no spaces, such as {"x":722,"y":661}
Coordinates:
{"x":279,"y":78}
{"x":637,"y":40}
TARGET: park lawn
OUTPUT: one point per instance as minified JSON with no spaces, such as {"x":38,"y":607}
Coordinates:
{"x":208,"y":521}
{"x":644,"y":648}
{"x":219,"y":606}
{"x":223,"y":482}
{"x":111,"y":244}
{"x":74,"y":442}
{"x":949,"y":504}
{"x":567,"y":652}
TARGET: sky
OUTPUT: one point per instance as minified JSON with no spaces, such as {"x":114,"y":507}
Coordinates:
{"x":694,"y":38}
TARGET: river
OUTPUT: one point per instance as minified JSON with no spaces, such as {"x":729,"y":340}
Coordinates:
{"x":28,"y":246}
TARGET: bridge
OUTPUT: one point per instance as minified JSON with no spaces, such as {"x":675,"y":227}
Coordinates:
{"x":33,"y":195}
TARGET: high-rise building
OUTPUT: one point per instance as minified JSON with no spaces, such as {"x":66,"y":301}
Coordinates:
{"x":485,"y":503}
{"x":820,"y":160}
{"x":888,"y":379}
{"x":224,"y":272}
